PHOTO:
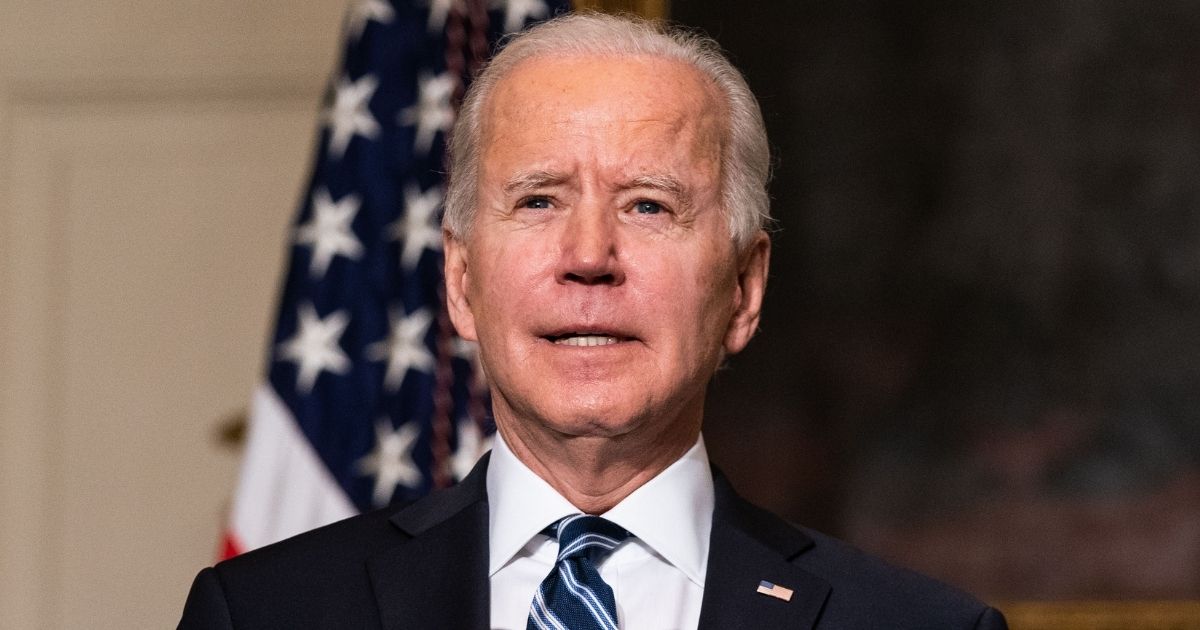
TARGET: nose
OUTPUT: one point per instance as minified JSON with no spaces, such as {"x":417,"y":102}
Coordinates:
{"x":589,"y":253}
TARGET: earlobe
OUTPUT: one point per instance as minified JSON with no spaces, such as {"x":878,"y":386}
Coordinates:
{"x":751,"y":286}
{"x":457,"y":279}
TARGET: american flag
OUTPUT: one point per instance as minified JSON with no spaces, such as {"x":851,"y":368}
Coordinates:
{"x":370,"y":397}
{"x":775,"y":590}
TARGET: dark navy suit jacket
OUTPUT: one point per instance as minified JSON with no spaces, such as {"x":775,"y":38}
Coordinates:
{"x":425,"y":567}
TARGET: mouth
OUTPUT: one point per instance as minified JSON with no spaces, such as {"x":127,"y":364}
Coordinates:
{"x":585,"y":339}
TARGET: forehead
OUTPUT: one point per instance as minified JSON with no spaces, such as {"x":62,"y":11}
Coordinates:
{"x":630,"y":95}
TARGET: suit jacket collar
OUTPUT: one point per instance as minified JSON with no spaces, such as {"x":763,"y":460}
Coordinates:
{"x":750,"y":545}
{"x":437,"y":577}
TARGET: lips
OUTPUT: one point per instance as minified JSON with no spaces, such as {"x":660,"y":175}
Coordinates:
{"x":585,"y":340}
{"x":587,"y":337}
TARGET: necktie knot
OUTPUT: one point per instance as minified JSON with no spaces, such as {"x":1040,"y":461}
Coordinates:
{"x":586,"y":536}
{"x":574,"y":596}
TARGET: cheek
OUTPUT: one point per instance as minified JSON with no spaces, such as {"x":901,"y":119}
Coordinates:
{"x":719,"y":306}
{"x":695,"y":301}
{"x":504,"y":286}
{"x":480,"y":288}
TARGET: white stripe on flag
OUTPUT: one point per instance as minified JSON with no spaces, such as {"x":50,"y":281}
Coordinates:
{"x":284,"y":488}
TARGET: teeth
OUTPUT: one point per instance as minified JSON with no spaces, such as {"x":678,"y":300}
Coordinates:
{"x":586,"y":340}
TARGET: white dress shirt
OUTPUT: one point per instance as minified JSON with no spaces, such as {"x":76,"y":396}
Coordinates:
{"x":657,"y":578}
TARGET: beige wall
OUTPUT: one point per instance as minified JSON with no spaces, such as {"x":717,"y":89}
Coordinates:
{"x":150,"y":157}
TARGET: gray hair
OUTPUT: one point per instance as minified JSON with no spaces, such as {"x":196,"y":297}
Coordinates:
{"x":745,"y":162}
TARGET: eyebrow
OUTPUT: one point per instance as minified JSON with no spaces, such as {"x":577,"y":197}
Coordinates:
{"x":532,"y":180}
{"x":663,"y":183}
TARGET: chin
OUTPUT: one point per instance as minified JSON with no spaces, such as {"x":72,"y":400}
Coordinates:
{"x":591,"y":420}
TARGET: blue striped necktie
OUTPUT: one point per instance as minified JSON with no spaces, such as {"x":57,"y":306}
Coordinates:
{"x":573,"y":597}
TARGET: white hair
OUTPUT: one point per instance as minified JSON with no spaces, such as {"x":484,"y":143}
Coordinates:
{"x":745,"y":161}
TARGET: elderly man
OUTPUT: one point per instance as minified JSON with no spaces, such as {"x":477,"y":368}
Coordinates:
{"x":604,"y":245}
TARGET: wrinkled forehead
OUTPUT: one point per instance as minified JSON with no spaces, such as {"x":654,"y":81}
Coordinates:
{"x":605,"y":89}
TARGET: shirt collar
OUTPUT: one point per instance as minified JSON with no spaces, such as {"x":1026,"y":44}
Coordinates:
{"x":520,"y":504}
{"x":671,"y":513}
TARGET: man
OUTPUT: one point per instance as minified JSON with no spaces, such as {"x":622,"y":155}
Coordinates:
{"x":604,"y":244}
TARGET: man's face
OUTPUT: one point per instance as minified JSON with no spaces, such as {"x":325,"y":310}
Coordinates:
{"x":599,"y":276}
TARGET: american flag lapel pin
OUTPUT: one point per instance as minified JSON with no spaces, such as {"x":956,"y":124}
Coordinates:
{"x":774,"y":590}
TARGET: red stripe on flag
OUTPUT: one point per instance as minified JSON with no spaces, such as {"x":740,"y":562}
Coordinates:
{"x":230,"y":546}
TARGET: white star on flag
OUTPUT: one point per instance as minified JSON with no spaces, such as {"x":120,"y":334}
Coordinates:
{"x":516,"y":12}
{"x":438,"y":10}
{"x":464,"y":349}
{"x":314,"y":348}
{"x":471,"y":446}
{"x":405,"y":348}
{"x":390,"y":462}
{"x":417,"y":228}
{"x":328,"y":231}
{"x":433,"y":111}
{"x":365,"y":11}
{"x":349,"y":115}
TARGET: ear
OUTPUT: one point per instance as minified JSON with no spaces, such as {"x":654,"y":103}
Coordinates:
{"x":457,"y":286}
{"x":753,"y":266}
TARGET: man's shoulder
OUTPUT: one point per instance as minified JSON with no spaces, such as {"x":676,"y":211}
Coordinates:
{"x":346,"y":542}
{"x":350,"y":542}
{"x":847,"y":567}
{"x":326,"y":561}
{"x":847,"y":587}
{"x":864,"y":586}
{"x":314,"y":579}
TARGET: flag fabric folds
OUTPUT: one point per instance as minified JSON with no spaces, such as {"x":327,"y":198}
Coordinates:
{"x":369,"y":396}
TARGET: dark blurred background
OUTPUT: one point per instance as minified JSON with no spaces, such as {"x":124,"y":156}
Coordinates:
{"x":980,"y":355}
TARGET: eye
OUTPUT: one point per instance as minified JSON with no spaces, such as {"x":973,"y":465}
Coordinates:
{"x":536,"y":203}
{"x":647,"y":207}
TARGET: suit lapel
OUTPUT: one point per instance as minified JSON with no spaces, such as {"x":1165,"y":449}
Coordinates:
{"x":749,"y":545}
{"x":438,"y":578}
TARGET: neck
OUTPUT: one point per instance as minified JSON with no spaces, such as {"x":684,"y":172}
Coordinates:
{"x":595,"y":473}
